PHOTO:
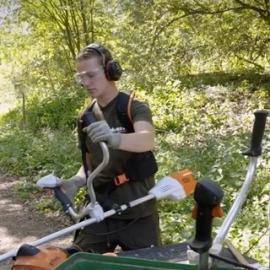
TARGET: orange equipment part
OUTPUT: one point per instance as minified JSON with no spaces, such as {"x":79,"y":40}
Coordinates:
{"x":43,"y":258}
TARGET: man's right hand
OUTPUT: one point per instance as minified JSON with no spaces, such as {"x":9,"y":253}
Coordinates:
{"x":71,"y":186}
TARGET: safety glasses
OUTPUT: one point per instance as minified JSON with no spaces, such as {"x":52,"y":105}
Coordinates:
{"x":89,"y":76}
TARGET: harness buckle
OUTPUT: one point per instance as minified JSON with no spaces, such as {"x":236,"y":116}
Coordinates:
{"x":121,"y":179}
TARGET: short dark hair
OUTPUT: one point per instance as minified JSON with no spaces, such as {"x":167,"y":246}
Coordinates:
{"x":95,"y":50}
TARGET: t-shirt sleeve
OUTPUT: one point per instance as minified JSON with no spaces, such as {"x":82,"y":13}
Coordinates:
{"x":140,"y":111}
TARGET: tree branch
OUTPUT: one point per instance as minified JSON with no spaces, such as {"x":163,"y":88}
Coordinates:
{"x":264,"y":13}
{"x":84,"y":23}
{"x":189,"y":13}
{"x":250,"y":62}
{"x":266,"y":4}
{"x":249,"y":6}
{"x":75,"y":26}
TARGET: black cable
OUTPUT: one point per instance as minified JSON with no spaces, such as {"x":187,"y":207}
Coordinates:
{"x":256,"y":242}
{"x":121,"y":229}
{"x":231,"y":261}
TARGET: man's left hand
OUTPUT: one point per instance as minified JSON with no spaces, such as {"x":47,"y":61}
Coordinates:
{"x":101,"y":132}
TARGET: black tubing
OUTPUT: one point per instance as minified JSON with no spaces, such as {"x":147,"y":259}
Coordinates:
{"x":217,"y":257}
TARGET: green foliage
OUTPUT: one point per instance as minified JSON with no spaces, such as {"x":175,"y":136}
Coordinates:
{"x":57,"y":110}
{"x":202,"y":67}
{"x":201,"y":129}
{"x":29,"y":154}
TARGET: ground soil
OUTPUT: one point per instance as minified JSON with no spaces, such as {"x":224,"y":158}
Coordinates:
{"x":20,"y":223}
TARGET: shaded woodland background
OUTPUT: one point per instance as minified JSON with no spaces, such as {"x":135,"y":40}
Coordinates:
{"x":203,"y":67}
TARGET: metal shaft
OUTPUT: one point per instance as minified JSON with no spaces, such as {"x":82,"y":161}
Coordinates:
{"x":77,"y":226}
{"x":203,"y":261}
{"x":220,"y":237}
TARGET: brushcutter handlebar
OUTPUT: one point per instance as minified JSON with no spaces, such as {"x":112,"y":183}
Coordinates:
{"x":51,"y":181}
{"x":89,"y":118}
{"x":67,"y":204}
{"x":253,"y":152}
{"x":62,"y":198}
{"x":257,"y":134}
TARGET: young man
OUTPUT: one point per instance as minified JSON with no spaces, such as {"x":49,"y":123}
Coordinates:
{"x":137,"y":227}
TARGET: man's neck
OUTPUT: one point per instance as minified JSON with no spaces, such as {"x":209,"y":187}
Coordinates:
{"x":108,"y":96}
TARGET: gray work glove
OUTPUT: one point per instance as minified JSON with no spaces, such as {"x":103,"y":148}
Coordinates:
{"x":101,"y":132}
{"x":71,"y":186}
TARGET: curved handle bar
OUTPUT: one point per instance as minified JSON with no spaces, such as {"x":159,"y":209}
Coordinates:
{"x":88,"y":118}
{"x":92,"y":176}
{"x":253,"y":152}
{"x":65,"y":201}
{"x":69,"y":208}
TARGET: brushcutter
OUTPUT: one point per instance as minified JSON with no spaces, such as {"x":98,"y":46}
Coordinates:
{"x":175,"y":187}
{"x":201,"y":245}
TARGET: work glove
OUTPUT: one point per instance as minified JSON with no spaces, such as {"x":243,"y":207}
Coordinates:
{"x":71,"y":186}
{"x":96,"y":212}
{"x":101,"y":132}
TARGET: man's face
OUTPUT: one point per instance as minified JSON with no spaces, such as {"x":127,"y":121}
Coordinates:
{"x":90,"y":74}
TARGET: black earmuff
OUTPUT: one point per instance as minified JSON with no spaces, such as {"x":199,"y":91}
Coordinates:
{"x":112,"y":68}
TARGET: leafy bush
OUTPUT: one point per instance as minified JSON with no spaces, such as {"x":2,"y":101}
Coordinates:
{"x":26,"y":154}
{"x":54,"y":110}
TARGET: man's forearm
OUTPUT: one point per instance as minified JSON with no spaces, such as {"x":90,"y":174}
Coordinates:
{"x":137,"y":142}
{"x":81,"y":174}
{"x":81,"y":171}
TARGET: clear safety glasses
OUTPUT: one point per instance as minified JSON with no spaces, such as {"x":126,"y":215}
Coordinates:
{"x":89,"y":76}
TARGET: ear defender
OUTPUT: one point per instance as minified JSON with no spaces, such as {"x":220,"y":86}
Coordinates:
{"x":112,"y":68}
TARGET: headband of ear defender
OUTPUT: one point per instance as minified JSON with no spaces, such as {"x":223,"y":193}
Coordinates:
{"x":112,"y":68}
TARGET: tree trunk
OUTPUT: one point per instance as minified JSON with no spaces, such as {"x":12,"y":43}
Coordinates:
{"x":24,"y":110}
